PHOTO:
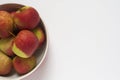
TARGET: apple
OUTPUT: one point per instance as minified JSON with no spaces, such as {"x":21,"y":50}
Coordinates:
{"x":6,"y":46}
{"x":6,"y":24}
{"x":24,"y":65}
{"x":5,"y":64}
{"x":40,"y":35}
{"x":26,"y":18}
{"x":25,"y":44}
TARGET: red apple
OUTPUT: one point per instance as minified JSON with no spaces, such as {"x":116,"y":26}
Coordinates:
{"x":24,"y":65}
{"x":25,"y":44}
{"x":5,"y":64}
{"x":6,"y":46}
{"x":6,"y":24}
{"x":40,"y":35}
{"x":26,"y":18}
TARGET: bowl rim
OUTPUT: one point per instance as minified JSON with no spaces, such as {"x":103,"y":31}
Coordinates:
{"x":45,"y":51}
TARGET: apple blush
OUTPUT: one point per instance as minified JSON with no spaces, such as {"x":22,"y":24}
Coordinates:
{"x":26,"y":18}
{"x":25,"y":44}
{"x":6,"y":24}
{"x":24,"y":65}
{"x":5,"y":64}
{"x":6,"y":46}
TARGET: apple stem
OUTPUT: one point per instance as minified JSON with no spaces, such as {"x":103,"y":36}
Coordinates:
{"x":12,"y":34}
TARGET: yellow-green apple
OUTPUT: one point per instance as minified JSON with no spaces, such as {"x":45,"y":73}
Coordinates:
{"x":26,"y":18}
{"x":5,"y":64}
{"x":6,"y":24}
{"x":6,"y":46}
{"x":24,"y":65}
{"x":40,"y":35}
{"x":25,"y":44}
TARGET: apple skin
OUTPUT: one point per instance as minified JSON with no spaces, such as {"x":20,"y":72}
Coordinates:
{"x":5,"y":64}
{"x":6,"y":46}
{"x":6,"y":24}
{"x":25,"y":44}
{"x":24,"y":65}
{"x":26,"y":18}
{"x":39,"y":34}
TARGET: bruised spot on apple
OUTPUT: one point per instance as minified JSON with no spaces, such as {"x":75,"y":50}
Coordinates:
{"x":6,"y":24}
{"x":40,"y":35}
{"x":25,"y":44}
{"x":5,"y":64}
{"x":26,"y":18}
{"x":24,"y":65}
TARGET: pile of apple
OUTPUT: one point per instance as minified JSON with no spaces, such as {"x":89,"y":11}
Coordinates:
{"x":20,"y":37}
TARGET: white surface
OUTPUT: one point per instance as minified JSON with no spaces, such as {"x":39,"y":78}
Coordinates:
{"x":84,"y":39}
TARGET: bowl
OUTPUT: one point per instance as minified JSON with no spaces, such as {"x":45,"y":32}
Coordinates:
{"x":40,"y":52}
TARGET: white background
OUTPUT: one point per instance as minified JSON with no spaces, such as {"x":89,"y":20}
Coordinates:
{"x":84,"y":39}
